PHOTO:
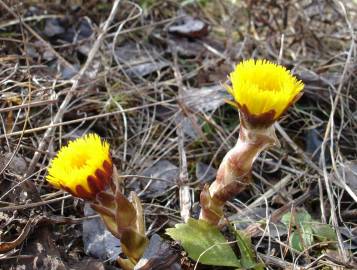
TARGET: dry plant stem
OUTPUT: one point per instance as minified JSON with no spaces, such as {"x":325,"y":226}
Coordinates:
{"x":234,"y":173}
{"x":184,"y":192}
{"x":330,"y":133}
{"x":125,"y":220}
{"x":64,"y":105}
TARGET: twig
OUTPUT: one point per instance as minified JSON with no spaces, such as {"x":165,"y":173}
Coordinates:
{"x":58,"y":117}
{"x":27,"y":105}
{"x":254,"y":229}
{"x":282,"y":183}
{"x":184,"y":192}
{"x":7,"y":246}
{"x":297,"y":149}
{"x":33,"y":32}
{"x":59,"y":124}
{"x":271,"y":260}
{"x":125,"y":121}
{"x":330,"y":133}
{"x":29,"y":19}
{"x":32,"y":205}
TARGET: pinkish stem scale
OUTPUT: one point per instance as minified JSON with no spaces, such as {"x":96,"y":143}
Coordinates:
{"x":234,"y":173}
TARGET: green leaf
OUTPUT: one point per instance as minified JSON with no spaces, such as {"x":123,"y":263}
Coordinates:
{"x":303,"y":238}
{"x":301,"y":218}
{"x":286,"y":219}
{"x":295,"y":242}
{"x":324,"y":232}
{"x":204,"y":243}
{"x":307,"y":235}
{"x":248,"y":259}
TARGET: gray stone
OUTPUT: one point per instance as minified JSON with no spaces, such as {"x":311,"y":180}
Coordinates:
{"x":98,"y":241}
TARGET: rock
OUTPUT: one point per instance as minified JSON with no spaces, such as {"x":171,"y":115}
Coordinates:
{"x":98,"y":241}
{"x":53,"y":27}
{"x":165,"y":170}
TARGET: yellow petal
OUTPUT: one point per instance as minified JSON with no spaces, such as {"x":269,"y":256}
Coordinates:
{"x":83,"y":167}
{"x":262,"y":86}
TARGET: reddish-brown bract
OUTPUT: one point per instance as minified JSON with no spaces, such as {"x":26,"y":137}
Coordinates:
{"x":96,"y":183}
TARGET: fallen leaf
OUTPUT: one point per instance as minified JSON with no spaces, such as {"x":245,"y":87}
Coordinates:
{"x":256,"y":217}
{"x":138,"y":62}
{"x":17,"y":165}
{"x":144,"y":69}
{"x":187,"y":124}
{"x":205,"y":99}
{"x":190,"y":27}
{"x":87,"y":264}
{"x":7,"y":246}
{"x":184,"y":47}
{"x":53,"y":27}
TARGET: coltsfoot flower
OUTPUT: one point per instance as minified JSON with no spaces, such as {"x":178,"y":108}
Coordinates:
{"x":263,"y":91}
{"x":83,"y":167}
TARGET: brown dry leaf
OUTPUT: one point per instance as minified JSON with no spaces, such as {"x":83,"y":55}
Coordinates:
{"x":7,"y":246}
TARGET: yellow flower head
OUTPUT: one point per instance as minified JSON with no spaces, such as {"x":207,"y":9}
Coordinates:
{"x":83,"y":167}
{"x":263,"y":91}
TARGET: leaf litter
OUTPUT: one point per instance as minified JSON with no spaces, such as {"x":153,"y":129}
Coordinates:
{"x":133,"y":77}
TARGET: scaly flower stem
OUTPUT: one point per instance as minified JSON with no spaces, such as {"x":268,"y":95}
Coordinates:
{"x":85,"y":169}
{"x":234,"y":173}
{"x":125,"y":220}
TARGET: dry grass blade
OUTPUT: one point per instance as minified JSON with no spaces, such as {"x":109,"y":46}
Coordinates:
{"x":58,"y":117}
{"x":139,"y":75}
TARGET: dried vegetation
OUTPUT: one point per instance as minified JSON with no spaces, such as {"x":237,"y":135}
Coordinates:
{"x":147,"y":76}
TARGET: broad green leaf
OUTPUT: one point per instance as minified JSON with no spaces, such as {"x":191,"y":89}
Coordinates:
{"x":204,"y":243}
{"x":286,"y":219}
{"x":324,"y":232}
{"x":301,"y":218}
{"x":305,"y":235}
{"x":248,"y":259}
{"x":303,"y":238}
{"x":295,"y":242}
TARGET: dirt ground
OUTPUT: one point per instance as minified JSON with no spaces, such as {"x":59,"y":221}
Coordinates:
{"x":148,"y":77}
